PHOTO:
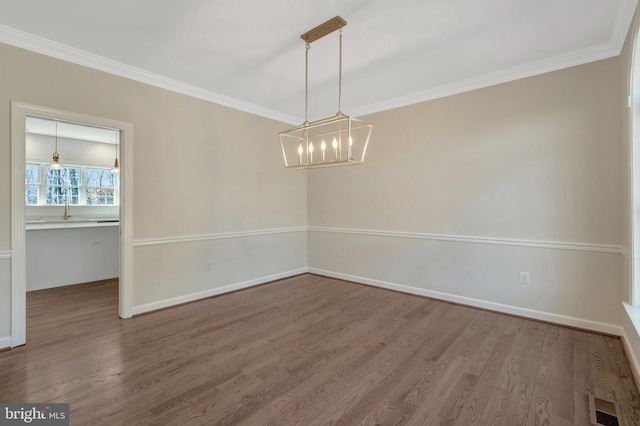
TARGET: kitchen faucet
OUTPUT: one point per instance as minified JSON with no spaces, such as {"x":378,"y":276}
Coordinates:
{"x":66,"y":210}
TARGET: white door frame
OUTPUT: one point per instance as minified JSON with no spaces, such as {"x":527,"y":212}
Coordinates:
{"x":634,"y":168}
{"x":19,"y":112}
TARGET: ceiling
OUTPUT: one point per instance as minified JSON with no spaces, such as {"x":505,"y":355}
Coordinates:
{"x":67,"y":130}
{"x":247,"y":54}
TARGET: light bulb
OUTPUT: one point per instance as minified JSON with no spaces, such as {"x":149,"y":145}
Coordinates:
{"x":55,"y":164}
{"x":311,"y":147}
{"x":323,"y":146}
{"x":300,"y":154}
{"x":350,"y":141}
{"x":335,"y":142}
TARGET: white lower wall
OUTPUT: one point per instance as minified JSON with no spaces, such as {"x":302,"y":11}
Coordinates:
{"x":631,"y":337}
{"x":59,"y":257}
{"x":179,"y":270}
{"x":577,"y":285}
{"x":5,"y":297}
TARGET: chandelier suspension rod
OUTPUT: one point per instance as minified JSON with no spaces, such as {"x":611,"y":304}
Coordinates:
{"x":340,"y":75}
{"x":306,"y":82}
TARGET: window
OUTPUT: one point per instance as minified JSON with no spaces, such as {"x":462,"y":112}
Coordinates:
{"x":33,"y":183}
{"x":63,"y":185}
{"x":76,"y":184}
{"x":100,"y":186}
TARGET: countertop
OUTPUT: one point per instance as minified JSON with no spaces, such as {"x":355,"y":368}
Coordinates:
{"x":49,"y":222}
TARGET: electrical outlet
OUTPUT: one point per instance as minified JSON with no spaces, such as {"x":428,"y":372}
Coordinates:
{"x":525,"y":278}
{"x":338,"y":252}
{"x":95,"y":242}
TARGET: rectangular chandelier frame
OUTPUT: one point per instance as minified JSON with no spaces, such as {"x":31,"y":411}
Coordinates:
{"x":335,"y":141}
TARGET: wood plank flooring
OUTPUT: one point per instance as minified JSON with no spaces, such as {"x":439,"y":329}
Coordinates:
{"x":309,"y":350}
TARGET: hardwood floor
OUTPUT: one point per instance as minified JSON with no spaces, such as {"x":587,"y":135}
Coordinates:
{"x":309,"y":350}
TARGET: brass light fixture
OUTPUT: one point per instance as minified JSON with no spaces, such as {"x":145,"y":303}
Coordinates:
{"x":56,"y":164}
{"x":116,"y":168}
{"x":334,"y":141}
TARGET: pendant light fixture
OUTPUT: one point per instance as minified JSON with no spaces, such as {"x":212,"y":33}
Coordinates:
{"x":116,"y":168}
{"x":56,"y":164}
{"x":334,"y":141}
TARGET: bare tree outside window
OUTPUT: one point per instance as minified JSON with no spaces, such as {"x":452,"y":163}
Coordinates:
{"x":76,"y":184}
{"x":100,"y":187}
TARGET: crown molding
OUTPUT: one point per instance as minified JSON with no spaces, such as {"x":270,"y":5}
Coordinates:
{"x":622,"y":23}
{"x":33,"y":43}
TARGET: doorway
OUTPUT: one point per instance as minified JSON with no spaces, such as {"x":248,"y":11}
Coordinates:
{"x":19,"y":116}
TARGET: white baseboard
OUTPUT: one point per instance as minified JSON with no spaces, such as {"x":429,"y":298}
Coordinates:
{"x":633,"y":315}
{"x":600,"y":327}
{"x":5,"y":342}
{"x":631,"y":356}
{"x":137,"y":310}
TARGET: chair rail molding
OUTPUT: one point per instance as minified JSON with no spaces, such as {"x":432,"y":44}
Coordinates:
{"x":216,"y":236}
{"x":557,"y":245}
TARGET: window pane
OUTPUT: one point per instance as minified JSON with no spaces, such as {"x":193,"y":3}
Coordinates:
{"x":54,"y":177}
{"x":62,"y":186}
{"x":68,"y":176}
{"x":100,"y":186}
{"x":32,"y":195}
{"x":58,"y":195}
{"x":33,"y":174}
{"x":100,"y":178}
{"x":74,"y":176}
{"x":75,"y":196}
{"x":97,"y":196}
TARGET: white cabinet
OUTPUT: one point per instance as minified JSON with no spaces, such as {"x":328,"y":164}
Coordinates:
{"x":71,"y":255}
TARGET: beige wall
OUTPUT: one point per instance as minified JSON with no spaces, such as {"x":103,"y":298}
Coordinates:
{"x":456,"y":193}
{"x":539,"y":158}
{"x":200,"y":169}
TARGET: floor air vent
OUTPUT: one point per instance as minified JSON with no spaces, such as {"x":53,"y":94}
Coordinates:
{"x":603,"y":413}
